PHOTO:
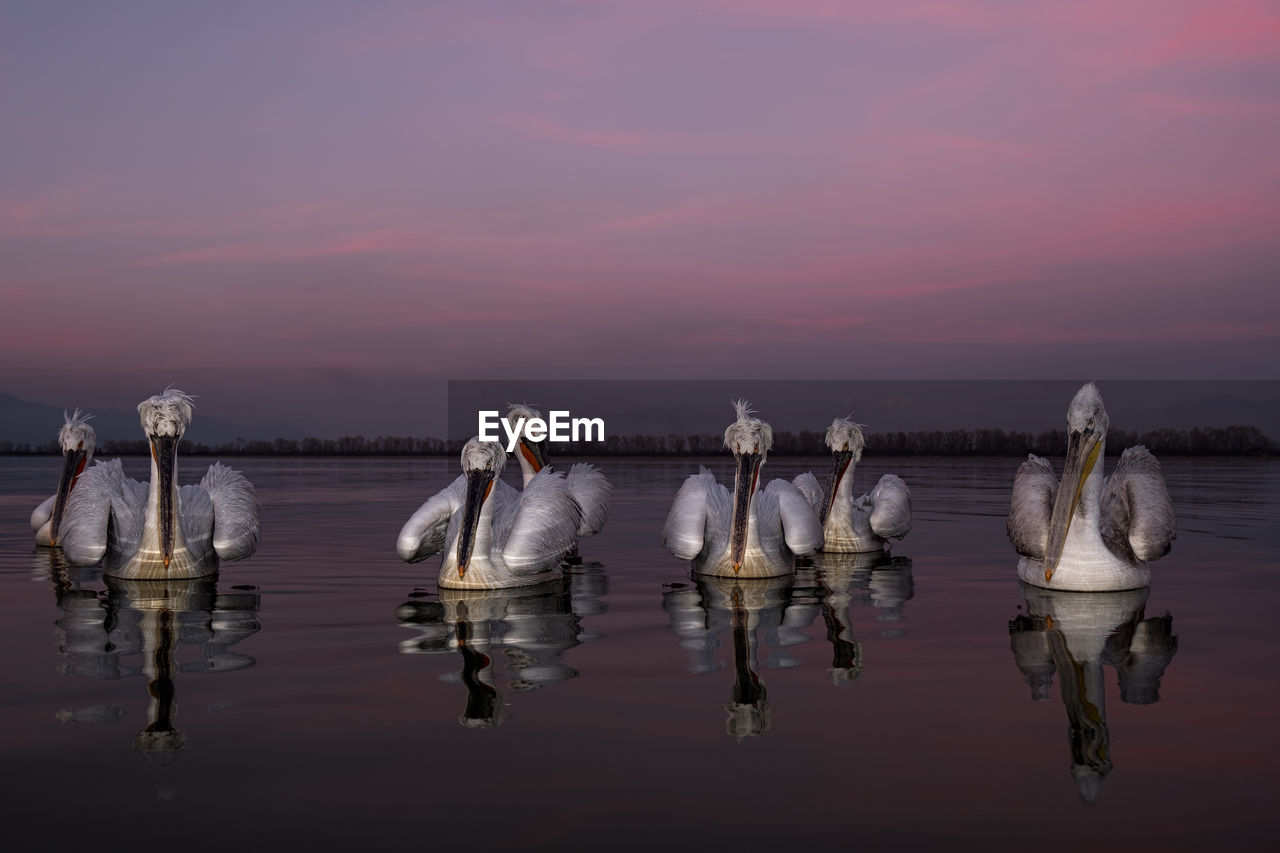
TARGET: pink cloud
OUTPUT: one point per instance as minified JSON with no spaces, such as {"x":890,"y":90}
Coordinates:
{"x":1201,"y":107}
{"x":689,"y":213}
{"x":828,"y":323}
{"x":545,"y":128}
{"x":957,"y":142}
{"x":1232,"y":29}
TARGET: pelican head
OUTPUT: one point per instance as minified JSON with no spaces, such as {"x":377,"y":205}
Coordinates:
{"x":77,"y":440}
{"x":482,"y":462}
{"x":844,"y":437}
{"x":1087,"y":424}
{"x":749,"y":438}
{"x":165,"y":418}
{"x":534,"y":452}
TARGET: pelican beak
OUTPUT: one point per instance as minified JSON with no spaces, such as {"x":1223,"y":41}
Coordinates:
{"x":840,"y":460}
{"x":744,"y":487}
{"x":72,"y":465}
{"x":479,"y":484}
{"x":164,"y":450}
{"x":1083,"y":449}
{"x":535,"y":453}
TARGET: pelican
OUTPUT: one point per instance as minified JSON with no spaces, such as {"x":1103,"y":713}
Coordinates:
{"x":1085,"y":533}
{"x":856,"y":525}
{"x":586,"y":483}
{"x":755,"y":534}
{"x":77,"y":440}
{"x":492,"y":536}
{"x":158,"y":530}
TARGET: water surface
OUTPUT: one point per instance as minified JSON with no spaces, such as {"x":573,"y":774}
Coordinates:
{"x":324,"y":693}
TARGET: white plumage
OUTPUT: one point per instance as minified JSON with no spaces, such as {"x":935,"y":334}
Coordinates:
{"x":753,"y":533}
{"x":1084,"y":532}
{"x":861,"y":524}
{"x":587,"y":483}
{"x":158,"y":530}
{"x":77,"y":440}
{"x":493,"y":536}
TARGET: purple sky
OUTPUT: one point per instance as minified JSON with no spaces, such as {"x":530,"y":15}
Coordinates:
{"x":319,"y":210}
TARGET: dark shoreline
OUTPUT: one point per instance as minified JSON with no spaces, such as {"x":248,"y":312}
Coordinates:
{"x":1236,"y":441}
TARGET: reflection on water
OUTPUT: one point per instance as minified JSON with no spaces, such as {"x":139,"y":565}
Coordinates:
{"x":322,"y":716}
{"x":1075,"y":634}
{"x":532,"y":626}
{"x":774,"y":613}
{"x":138,"y":628}
{"x":874,"y":580}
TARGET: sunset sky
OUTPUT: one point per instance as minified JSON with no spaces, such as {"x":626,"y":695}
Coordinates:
{"x":316,"y":212}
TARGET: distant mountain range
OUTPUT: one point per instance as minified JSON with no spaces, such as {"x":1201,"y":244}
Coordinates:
{"x":643,"y":407}
{"x":702,"y":407}
{"x":22,"y":421}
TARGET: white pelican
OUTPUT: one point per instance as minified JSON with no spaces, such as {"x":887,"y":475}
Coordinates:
{"x":493,"y":536}
{"x":77,"y":440}
{"x":158,"y":530}
{"x":1075,"y":634}
{"x":589,"y":487}
{"x":862,"y":524}
{"x":754,"y":534}
{"x":1083,"y":533}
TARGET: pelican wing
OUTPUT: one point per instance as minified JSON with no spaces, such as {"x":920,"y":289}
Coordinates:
{"x":810,"y":488}
{"x":542,"y":524}
{"x":424,"y":533}
{"x":700,"y":511}
{"x":1137,"y":513}
{"x":40,"y":515}
{"x":800,"y":525}
{"x":891,"y":508}
{"x":232,"y":512}
{"x":1031,"y":506}
{"x":104,"y":512}
{"x":591,"y":490}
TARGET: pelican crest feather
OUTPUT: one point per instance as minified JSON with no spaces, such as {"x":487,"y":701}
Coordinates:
{"x":167,"y":413}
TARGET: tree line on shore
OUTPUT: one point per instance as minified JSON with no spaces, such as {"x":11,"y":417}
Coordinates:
{"x":1199,"y":441}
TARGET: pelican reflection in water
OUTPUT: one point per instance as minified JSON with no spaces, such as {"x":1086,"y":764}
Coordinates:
{"x":1074,"y":635}
{"x":1084,"y":532}
{"x":77,"y":440}
{"x":874,"y":580}
{"x":158,"y":530}
{"x":747,"y":608}
{"x":772,"y":616}
{"x":532,"y":627}
{"x":145,"y":628}
{"x":755,"y":533}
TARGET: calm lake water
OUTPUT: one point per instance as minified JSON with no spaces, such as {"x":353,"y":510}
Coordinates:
{"x":324,"y":693}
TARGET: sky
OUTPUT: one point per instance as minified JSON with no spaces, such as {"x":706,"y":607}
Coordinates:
{"x":318,"y":212}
